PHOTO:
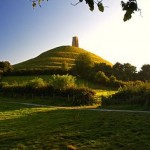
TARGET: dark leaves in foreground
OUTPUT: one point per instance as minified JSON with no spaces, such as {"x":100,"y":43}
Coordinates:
{"x":130,"y":6}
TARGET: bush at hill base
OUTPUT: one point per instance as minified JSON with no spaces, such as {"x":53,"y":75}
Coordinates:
{"x":132,"y":94}
{"x":38,"y":88}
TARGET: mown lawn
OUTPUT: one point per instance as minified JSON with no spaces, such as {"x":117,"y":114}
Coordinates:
{"x":50,"y":128}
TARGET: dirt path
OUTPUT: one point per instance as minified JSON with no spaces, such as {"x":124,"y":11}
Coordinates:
{"x":114,"y":110}
{"x":78,"y":107}
{"x":28,"y":104}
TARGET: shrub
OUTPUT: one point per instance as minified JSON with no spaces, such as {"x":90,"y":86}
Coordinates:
{"x":3,"y":84}
{"x":83,"y":96}
{"x":137,"y":93}
{"x":80,"y":96}
{"x":117,"y":83}
{"x":100,"y":77}
{"x":62,"y":82}
{"x":61,"y":86}
{"x":112,"y":78}
{"x":36,"y":83}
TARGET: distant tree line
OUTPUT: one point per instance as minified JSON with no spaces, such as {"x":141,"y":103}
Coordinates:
{"x":85,"y":68}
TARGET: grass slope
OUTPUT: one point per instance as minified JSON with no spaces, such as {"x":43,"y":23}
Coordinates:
{"x":55,"y":57}
{"x":32,"y":128}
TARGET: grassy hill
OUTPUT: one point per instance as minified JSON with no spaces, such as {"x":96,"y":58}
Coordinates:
{"x":54,"y":58}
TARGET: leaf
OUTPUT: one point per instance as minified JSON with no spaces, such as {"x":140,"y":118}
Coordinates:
{"x":100,"y":7}
{"x":90,"y":3}
{"x":127,"y":16}
{"x":33,"y":4}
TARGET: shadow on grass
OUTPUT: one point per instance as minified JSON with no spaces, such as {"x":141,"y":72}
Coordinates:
{"x":8,"y":106}
{"x":9,"y":103}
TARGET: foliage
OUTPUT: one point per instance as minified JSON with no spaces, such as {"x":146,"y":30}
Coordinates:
{"x":5,"y":67}
{"x":61,"y":86}
{"x":3,"y":84}
{"x":101,"y":78}
{"x":107,"y":69}
{"x":130,"y":6}
{"x":136,"y":93}
{"x":36,"y":83}
{"x":83,"y":96}
{"x":144,"y":73}
{"x":125,"y":72}
{"x":112,"y":78}
{"x":83,"y":65}
{"x":62,"y":82}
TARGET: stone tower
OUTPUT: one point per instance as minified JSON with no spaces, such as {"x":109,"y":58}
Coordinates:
{"x":75,"y":41}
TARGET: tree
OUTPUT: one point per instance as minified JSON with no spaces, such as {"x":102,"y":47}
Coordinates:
{"x":144,"y":73}
{"x":83,"y":65}
{"x":107,"y":69}
{"x":5,"y":66}
{"x":129,"y":7}
{"x":129,"y":71}
{"x":125,"y":72}
{"x":100,"y":77}
{"x":118,"y":70}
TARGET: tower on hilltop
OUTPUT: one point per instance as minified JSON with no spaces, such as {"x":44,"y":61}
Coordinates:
{"x":75,"y":41}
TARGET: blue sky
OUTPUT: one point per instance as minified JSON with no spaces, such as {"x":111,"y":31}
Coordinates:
{"x":25,"y":33}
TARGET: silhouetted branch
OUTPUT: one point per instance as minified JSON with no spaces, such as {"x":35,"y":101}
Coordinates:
{"x":75,"y":3}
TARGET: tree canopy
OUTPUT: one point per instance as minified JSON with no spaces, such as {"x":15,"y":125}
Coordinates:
{"x":5,"y":66}
{"x":83,"y":65}
{"x":129,"y":7}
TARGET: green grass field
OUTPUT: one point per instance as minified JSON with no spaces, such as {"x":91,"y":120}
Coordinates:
{"x":52,"y":128}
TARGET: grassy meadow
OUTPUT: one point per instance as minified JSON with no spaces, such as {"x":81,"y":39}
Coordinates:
{"x":45,"y":128}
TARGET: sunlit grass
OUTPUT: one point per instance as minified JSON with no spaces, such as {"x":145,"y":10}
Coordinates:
{"x":46,"y":128}
{"x":105,"y":92}
{"x":55,"y":57}
{"x":24,"y":79}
